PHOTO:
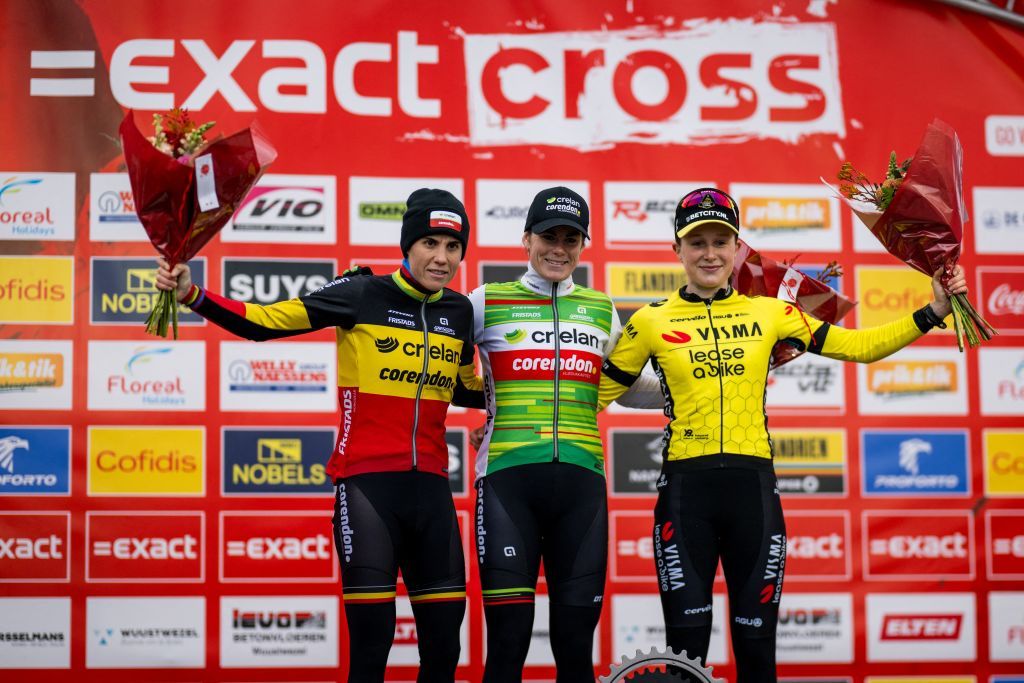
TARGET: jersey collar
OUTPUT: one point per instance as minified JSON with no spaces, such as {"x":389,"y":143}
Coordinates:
{"x":723,"y":293}
{"x":533,"y":281}
{"x":413,"y":288}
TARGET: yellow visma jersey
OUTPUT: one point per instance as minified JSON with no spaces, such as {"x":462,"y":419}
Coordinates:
{"x":712,"y":357}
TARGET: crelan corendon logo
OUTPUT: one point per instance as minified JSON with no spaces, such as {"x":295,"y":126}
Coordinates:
{"x":146,"y":461}
{"x":909,"y":378}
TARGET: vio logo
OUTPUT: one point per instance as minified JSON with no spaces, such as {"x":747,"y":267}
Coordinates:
{"x":386,"y":345}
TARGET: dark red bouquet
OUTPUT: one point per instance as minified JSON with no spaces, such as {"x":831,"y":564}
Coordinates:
{"x":754,"y":274}
{"x":186,"y":188}
{"x":918,"y":215}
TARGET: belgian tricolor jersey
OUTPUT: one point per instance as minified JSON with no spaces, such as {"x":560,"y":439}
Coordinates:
{"x":712,"y":358}
{"x":403,"y":356}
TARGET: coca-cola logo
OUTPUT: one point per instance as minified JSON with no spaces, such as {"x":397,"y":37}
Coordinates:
{"x":1005,"y":300}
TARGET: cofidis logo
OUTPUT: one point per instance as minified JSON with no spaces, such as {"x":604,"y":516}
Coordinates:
{"x":1004,"y":462}
{"x":889,"y":293}
{"x":275,"y":461}
{"x":37,"y":289}
{"x":146,"y":461}
{"x":35,"y":460}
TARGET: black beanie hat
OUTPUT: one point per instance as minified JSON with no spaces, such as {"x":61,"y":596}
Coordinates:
{"x":432,"y":211}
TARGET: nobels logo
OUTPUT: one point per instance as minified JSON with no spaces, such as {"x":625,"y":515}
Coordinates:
{"x":786,"y":213}
{"x":912,"y":377}
{"x":921,"y":626}
{"x":31,"y":370}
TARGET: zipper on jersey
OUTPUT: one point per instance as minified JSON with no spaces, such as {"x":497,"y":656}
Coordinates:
{"x":419,"y":385}
{"x":721,"y":387}
{"x":554,"y":421}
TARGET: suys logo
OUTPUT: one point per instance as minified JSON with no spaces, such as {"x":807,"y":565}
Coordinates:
{"x":35,"y":460}
{"x":270,"y":281}
{"x":146,"y":461}
{"x":124,"y":291}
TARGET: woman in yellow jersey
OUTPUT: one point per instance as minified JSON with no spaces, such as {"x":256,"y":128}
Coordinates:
{"x":717,"y":495}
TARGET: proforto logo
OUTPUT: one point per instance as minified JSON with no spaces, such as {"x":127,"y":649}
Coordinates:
{"x":35,"y":547}
{"x":144,"y":547}
{"x":35,"y":460}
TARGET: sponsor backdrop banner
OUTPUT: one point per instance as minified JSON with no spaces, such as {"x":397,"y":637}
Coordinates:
{"x":164,"y":504}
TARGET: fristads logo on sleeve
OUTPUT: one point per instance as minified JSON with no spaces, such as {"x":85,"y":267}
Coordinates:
{"x":37,"y":206}
{"x":35,"y":461}
{"x":35,"y":547}
{"x":308,"y":625}
{"x":123,"y":291}
{"x":1004,"y":545}
{"x":789,"y":217}
{"x":292,"y":209}
{"x":287,"y":546}
{"x":376,"y":206}
{"x":810,"y":461}
{"x":146,"y":461}
{"x":35,"y":633}
{"x":284,"y":376}
{"x":637,"y":625}
{"x":914,"y":463}
{"x":815,"y":627}
{"x":37,"y":289}
{"x":276,"y":460}
{"x":112,"y":216}
{"x":1004,"y":461}
{"x":35,"y":374}
{"x":144,"y":547}
{"x":259,"y":281}
{"x":139,"y":376}
{"x":818,"y":546}
{"x":912,"y":545}
{"x":145,"y":633}
{"x":914,"y":381}
{"x":921,"y":627}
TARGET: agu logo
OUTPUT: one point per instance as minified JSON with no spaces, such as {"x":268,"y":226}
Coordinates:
{"x":34,"y":548}
{"x":146,"y":461}
{"x":35,"y":460}
{"x":1004,"y":462}
{"x":36,"y":289}
{"x":152,"y":547}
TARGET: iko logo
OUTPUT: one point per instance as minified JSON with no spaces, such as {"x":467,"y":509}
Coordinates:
{"x":915,"y":463}
{"x":271,"y":281}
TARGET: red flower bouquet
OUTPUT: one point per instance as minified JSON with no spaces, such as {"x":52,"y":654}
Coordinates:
{"x":186,"y":188}
{"x":754,"y":274}
{"x":917,"y":213}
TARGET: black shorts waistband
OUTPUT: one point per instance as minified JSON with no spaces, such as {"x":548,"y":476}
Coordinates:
{"x":716,"y":461}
